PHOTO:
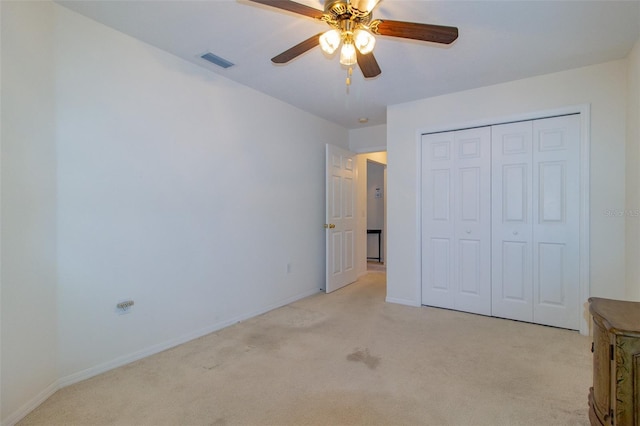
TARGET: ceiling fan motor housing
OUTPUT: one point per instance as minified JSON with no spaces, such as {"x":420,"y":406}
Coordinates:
{"x":340,"y":14}
{"x":336,"y":8}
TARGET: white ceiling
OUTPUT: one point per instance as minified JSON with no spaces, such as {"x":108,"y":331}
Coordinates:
{"x":499,"y":41}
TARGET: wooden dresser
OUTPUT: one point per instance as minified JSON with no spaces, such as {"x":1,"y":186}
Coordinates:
{"x":614,"y":398}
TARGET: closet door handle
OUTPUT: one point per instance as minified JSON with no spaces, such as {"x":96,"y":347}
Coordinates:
{"x":468,"y":231}
{"x":515,"y":232}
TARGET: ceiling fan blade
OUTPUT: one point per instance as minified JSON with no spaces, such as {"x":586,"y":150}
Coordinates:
{"x":292,"y":6}
{"x":363,"y":6}
{"x":297,"y":50}
{"x":368,"y":64}
{"x":415,"y":31}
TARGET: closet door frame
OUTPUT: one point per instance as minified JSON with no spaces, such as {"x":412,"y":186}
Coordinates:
{"x":585,"y":141}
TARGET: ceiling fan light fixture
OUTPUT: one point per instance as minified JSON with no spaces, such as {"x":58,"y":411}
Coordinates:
{"x":353,"y":26}
{"x":348,"y":54}
{"x":364,"y":41}
{"x":330,"y":41}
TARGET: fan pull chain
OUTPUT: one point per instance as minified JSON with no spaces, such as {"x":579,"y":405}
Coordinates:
{"x":349,"y":74}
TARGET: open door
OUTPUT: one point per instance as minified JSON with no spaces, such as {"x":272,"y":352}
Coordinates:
{"x":340,"y":218}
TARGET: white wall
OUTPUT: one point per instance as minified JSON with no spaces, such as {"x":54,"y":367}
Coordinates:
{"x":368,"y":139}
{"x":375,"y":206}
{"x":29,"y":358}
{"x":177,"y":188}
{"x":633,"y":176}
{"x":603,"y":86}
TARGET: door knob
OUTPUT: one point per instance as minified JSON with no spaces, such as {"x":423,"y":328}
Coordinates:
{"x":468,"y":231}
{"x":515,"y":232}
{"x":329,"y":225}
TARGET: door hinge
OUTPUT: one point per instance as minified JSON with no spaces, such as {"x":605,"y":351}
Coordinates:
{"x":593,"y":346}
{"x":611,"y":415}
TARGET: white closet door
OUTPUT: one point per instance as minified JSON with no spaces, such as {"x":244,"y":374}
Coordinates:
{"x":556,"y":218}
{"x":472,"y":227}
{"x":501,"y":220}
{"x":437,"y":220}
{"x":535,"y":221}
{"x":512,"y":221}
{"x":456,"y":220}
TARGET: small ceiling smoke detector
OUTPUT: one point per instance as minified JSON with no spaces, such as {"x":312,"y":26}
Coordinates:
{"x":217,"y":60}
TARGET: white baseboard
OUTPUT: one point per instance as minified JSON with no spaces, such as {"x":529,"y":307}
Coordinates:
{"x":403,"y":301}
{"x":29,"y":406}
{"x":135,"y":356}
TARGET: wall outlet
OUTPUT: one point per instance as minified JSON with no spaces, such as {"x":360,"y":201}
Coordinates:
{"x":124,"y":306}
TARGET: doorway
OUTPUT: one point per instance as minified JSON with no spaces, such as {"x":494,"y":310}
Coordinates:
{"x":376,"y":217}
{"x":374,"y":164}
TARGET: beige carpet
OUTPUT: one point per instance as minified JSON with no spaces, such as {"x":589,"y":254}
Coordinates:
{"x":346,"y":358}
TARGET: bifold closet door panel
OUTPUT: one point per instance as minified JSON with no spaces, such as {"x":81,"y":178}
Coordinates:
{"x":456,"y":220}
{"x":472,"y":222}
{"x":512,"y":221}
{"x":556,"y":221}
{"x":437,"y":220}
{"x":535,"y":221}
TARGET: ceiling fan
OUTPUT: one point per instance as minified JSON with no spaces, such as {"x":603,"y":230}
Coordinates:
{"x":354,"y":27}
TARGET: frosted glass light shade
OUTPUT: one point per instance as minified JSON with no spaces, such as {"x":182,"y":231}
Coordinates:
{"x":364,"y":41}
{"x":330,"y":41}
{"x":348,"y":54}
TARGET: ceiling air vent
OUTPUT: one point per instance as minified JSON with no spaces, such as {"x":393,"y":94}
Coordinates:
{"x":217,"y":60}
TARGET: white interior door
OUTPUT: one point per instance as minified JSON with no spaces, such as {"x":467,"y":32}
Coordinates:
{"x":340,"y":218}
{"x":512,"y":221}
